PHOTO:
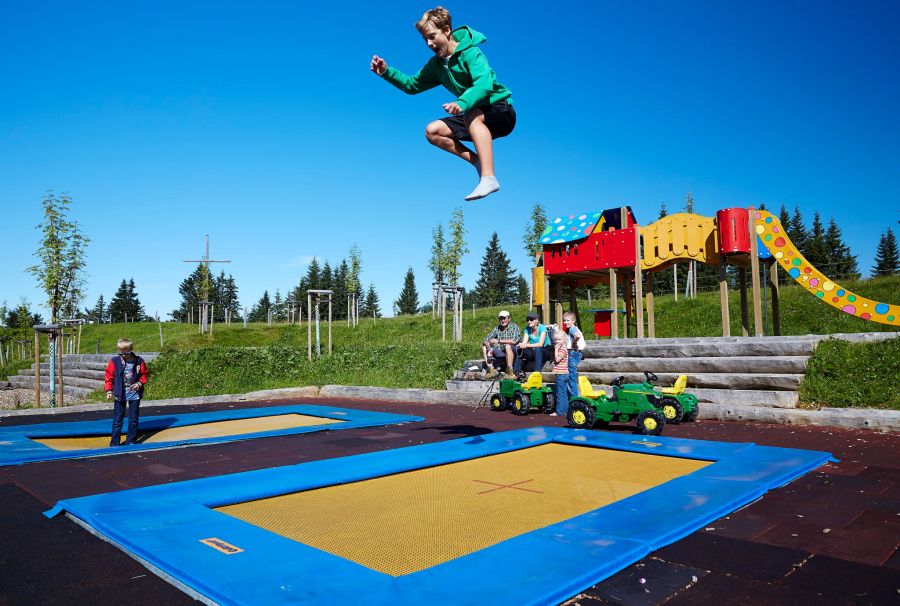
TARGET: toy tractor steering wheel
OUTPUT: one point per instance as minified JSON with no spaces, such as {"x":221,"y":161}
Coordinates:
{"x":617,"y":382}
{"x":651,"y":377}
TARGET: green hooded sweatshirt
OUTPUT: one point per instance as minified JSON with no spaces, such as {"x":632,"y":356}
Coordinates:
{"x":466,"y":74}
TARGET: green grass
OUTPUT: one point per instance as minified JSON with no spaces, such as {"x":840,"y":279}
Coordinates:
{"x":847,"y":374}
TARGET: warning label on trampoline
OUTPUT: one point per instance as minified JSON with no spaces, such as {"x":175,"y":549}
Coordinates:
{"x":220,"y":545}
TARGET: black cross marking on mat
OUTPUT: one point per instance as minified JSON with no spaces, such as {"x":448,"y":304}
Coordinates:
{"x":514,"y":486}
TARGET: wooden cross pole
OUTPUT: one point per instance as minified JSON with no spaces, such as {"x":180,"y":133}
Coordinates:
{"x":205,"y":261}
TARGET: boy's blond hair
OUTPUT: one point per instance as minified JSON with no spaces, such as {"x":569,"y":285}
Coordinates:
{"x":125,"y":344}
{"x":570,"y":315}
{"x":438,"y":16}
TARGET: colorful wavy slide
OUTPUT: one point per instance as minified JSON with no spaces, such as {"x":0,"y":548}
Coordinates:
{"x":774,"y":238}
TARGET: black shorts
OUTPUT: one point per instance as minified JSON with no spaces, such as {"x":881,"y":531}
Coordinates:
{"x":499,"y":117}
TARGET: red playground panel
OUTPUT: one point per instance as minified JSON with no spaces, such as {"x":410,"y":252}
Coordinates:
{"x":601,"y":250}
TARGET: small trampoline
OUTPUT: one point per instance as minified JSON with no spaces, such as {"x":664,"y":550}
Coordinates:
{"x":69,"y":440}
{"x":530,"y":516}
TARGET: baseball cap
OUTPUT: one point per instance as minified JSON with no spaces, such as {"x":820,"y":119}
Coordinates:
{"x":503,"y":314}
{"x":531,"y":316}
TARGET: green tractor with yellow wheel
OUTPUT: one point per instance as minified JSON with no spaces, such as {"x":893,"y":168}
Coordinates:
{"x":649,"y":407}
{"x":522,"y":396}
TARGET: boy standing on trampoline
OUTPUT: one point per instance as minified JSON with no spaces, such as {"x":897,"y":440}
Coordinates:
{"x":126,"y":375}
{"x":483,"y":108}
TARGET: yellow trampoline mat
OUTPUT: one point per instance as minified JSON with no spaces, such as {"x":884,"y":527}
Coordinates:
{"x":411,"y":521}
{"x":216,"y":429}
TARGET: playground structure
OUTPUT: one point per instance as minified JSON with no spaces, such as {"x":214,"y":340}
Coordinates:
{"x":611,"y":248}
{"x":313,"y":301}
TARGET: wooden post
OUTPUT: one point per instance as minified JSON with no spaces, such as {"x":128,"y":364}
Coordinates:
{"x":557,"y":301}
{"x":638,"y":283}
{"x":745,"y":315}
{"x":754,"y":276}
{"x":629,"y":307}
{"x":613,"y":304}
{"x":37,"y":369}
{"x":776,"y":302}
{"x":723,"y":296}
{"x":573,"y":302}
{"x":308,"y":326}
{"x":651,"y":311}
{"x":675,"y":279}
{"x":329,"y":324}
{"x":545,"y":306}
{"x":59,"y":373}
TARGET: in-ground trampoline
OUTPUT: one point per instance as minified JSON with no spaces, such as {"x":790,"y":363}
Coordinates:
{"x":72,"y":440}
{"x":530,"y":516}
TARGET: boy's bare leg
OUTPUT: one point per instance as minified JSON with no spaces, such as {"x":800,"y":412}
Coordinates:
{"x":440,"y":135}
{"x":484,"y":145}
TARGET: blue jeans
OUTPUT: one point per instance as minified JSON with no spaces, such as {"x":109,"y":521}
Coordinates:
{"x":561,"y":389}
{"x":574,"y":359}
{"x":119,"y":416}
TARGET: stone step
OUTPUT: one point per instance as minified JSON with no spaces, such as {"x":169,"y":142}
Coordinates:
{"x":635,"y":348}
{"x":98,"y":366}
{"x":715,"y":380}
{"x":69,"y":390}
{"x":764,"y":398}
{"x":733,"y":364}
{"x":67,"y":372}
{"x":103,"y":358}
{"x":91,"y":384}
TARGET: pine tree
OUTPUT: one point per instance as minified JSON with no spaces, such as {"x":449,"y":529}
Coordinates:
{"x":816,"y":252}
{"x":191,"y":291}
{"x":784,"y":217}
{"x":372,"y":305}
{"x":99,"y":314}
{"x":689,"y":202}
{"x":260,"y":311}
{"x":279,"y":313}
{"x":339,"y":287}
{"x":797,"y":231}
{"x":887,"y":256}
{"x":523,"y":294}
{"x":126,"y":304}
{"x":408,"y":301}
{"x":496,"y":283}
{"x":326,"y":278}
{"x":534,"y":230}
{"x":841,"y":262}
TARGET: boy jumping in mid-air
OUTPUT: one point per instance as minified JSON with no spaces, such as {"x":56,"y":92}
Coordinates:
{"x":483,"y":108}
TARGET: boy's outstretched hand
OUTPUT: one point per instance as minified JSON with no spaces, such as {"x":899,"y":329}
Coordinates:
{"x":378,"y":65}
{"x":452,"y":108}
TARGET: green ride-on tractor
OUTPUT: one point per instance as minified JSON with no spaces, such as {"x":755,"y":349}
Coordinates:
{"x":521,"y":397}
{"x":649,"y":406}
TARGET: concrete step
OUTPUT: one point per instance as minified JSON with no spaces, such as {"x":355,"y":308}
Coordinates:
{"x":764,"y":398}
{"x":69,"y":390}
{"x":733,"y":364}
{"x":97,"y":366}
{"x":103,"y":358}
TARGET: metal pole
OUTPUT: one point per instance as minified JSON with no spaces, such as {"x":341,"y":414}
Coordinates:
{"x":59,"y":377}
{"x":318,"y":336}
{"x":329,"y":324}
{"x":52,"y":365}
{"x":37,"y":369}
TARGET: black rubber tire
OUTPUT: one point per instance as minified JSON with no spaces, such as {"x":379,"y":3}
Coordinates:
{"x":520,"y":403}
{"x":673,"y":406}
{"x":690,"y":417}
{"x":549,"y":404}
{"x":498,"y":404}
{"x":655,"y":428}
{"x":580,"y":415}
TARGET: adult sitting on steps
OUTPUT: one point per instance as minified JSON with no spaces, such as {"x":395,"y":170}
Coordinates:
{"x":535,"y":347}
{"x":499,"y":347}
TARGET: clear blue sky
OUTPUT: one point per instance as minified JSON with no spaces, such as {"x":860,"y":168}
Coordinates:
{"x":260,"y":124}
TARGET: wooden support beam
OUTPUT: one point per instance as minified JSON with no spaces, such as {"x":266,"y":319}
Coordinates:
{"x":723,"y":296}
{"x":776,"y":301}
{"x":754,"y":276}
{"x":37,"y":370}
{"x":638,"y":283}
{"x":745,"y":315}
{"x":613,"y":304}
{"x":557,"y":302}
{"x":651,"y":311}
{"x":545,"y":305}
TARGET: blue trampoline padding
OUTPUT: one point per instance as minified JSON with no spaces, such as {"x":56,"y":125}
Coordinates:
{"x":17,"y":445}
{"x":163,"y":525}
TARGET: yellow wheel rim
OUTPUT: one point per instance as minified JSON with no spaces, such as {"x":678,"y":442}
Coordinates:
{"x":669,"y":411}
{"x":649,"y":424}
{"x":579,"y":418}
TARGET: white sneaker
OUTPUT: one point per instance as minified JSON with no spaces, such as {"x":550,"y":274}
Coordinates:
{"x":486,"y":186}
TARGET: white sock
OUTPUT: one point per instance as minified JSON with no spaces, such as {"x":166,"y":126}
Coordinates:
{"x":485,"y":187}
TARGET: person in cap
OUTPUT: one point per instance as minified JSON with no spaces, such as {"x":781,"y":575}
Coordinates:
{"x":126,"y":375}
{"x":499,"y":347}
{"x":535,"y":346}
